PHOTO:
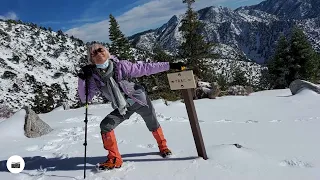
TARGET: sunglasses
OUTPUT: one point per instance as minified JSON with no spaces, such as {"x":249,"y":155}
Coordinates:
{"x":96,"y":51}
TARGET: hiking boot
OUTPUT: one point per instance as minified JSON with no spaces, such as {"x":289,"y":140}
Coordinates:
{"x":166,"y":152}
{"x":162,"y":142}
{"x":110,"y":164}
{"x":114,"y":159}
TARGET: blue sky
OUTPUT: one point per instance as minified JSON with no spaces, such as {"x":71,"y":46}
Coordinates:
{"x":89,"y":19}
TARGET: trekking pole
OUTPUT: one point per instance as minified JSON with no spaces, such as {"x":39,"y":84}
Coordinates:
{"x":86,"y":122}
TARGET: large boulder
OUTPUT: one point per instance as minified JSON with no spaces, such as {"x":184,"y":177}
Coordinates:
{"x":34,"y":126}
{"x":297,"y":85}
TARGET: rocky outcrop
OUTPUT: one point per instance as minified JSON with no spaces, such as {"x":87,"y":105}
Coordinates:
{"x":297,"y":85}
{"x":66,"y":106}
{"x":210,"y":92}
{"x":34,"y":127}
{"x":239,"y":90}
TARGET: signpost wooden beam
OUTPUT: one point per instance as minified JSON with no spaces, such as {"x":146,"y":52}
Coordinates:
{"x":185,"y":82}
{"x":194,"y":122}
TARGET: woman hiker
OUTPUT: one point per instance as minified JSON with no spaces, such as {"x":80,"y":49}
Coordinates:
{"x":111,"y":77}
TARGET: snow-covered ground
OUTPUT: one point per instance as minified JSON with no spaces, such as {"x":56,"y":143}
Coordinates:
{"x":279,"y":134}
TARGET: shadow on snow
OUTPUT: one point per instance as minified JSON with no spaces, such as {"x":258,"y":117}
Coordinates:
{"x":77,"y":163}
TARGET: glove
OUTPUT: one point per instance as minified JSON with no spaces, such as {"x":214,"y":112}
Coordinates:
{"x":87,"y":71}
{"x":177,"y":66}
{"x":81,"y":76}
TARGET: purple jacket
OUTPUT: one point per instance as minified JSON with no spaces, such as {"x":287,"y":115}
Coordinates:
{"x":125,"y":69}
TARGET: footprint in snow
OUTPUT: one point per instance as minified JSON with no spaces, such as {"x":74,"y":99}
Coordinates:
{"x":54,"y":144}
{"x":51,"y":146}
{"x":307,"y":119}
{"x":295,"y":163}
{"x":60,"y":155}
{"x":98,"y":136}
{"x":183,"y":119}
{"x":161,"y":117}
{"x":72,"y":120}
{"x":275,"y":120}
{"x":301,"y":120}
{"x":122,"y":141}
{"x":313,"y":118}
{"x":252,"y":121}
{"x":80,"y":119}
{"x":74,"y":135}
{"x":224,"y":121}
{"x":72,"y":131}
{"x":93,"y":125}
{"x":32,"y":148}
{"x":148,"y":146}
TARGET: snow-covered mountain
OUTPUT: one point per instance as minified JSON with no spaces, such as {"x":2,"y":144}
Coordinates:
{"x":290,"y":9}
{"x":247,"y":33}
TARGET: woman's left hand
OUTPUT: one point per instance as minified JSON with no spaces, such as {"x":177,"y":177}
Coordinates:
{"x":178,"y":66}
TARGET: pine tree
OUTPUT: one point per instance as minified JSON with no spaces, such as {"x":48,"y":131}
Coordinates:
{"x":239,"y":77}
{"x":43,"y":101}
{"x":120,"y":45}
{"x":317,"y":58}
{"x":160,"y":55}
{"x":306,"y":64}
{"x":194,"y":49}
{"x":281,"y":67}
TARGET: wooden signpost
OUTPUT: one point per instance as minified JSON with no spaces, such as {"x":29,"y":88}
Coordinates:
{"x":185,"y":82}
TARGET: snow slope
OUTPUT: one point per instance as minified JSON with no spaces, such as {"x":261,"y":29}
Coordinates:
{"x":279,"y":134}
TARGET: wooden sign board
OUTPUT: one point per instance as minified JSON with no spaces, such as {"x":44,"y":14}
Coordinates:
{"x":181,"y":80}
{"x":184,"y":80}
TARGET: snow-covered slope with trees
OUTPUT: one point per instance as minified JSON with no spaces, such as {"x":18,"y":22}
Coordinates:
{"x":34,"y":58}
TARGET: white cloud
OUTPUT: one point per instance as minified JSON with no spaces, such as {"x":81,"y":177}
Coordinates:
{"x":9,"y":15}
{"x":143,"y":17}
{"x":83,"y":20}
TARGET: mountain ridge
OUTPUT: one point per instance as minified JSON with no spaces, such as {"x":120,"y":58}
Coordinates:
{"x":248,"y":31}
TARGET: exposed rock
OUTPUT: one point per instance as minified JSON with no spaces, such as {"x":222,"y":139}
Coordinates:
{"x":34,"y":126}
{"x":64,"y":105}
{"x":239,"y":90}
{"x":298,"y":85}
{"x":206,"y":90}
{"x":249,"y":89}
{"x":5,"y":111}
